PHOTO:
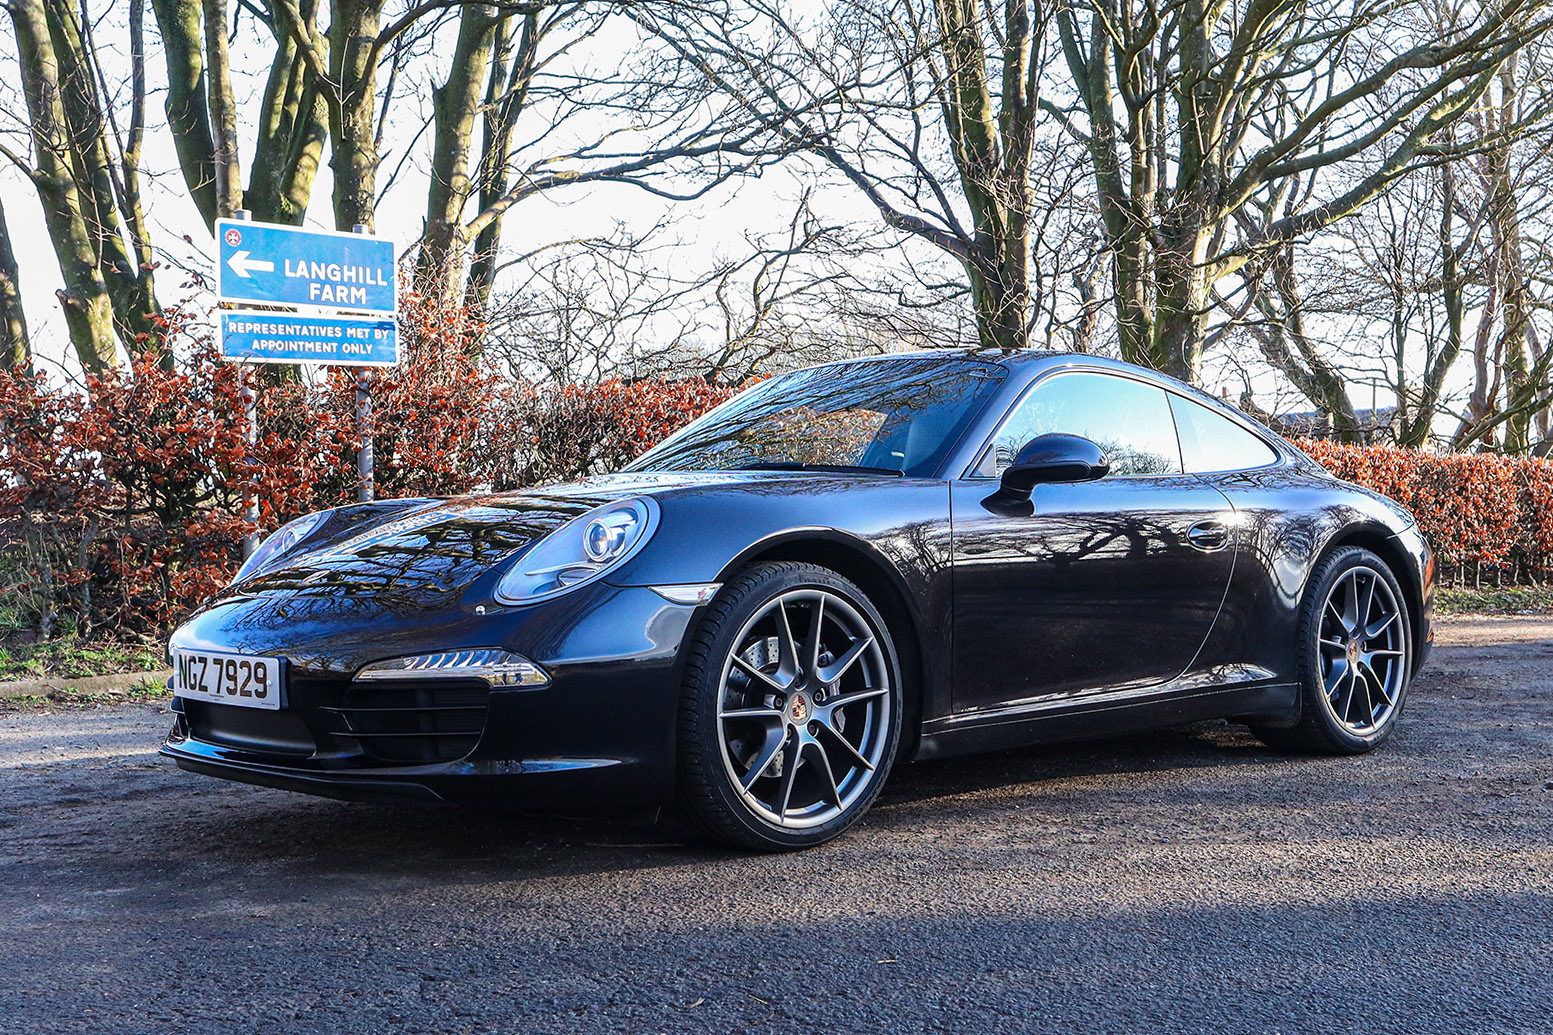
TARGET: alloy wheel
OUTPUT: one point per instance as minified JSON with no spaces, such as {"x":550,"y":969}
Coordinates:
{"x":803,"y":708}
{"x":1362,"y":644}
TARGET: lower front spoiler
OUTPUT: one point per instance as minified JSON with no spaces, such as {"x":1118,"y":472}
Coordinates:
{"x":576,"y":785}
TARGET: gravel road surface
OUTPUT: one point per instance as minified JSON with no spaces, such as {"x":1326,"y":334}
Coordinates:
{"x":1186,"y":881}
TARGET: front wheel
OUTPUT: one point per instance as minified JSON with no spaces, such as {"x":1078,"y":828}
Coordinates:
{"x":791,"y":711}
{"x":1355,"y":657}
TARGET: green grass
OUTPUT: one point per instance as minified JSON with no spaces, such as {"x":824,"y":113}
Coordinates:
{"x":1506,"y":600}
{"x":71,"y":658}
{"x":143,"y":691}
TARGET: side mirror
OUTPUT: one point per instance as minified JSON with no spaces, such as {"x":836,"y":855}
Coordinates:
{"x":1053,"y":458}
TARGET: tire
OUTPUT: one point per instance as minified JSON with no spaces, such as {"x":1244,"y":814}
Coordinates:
{"x":1355,"y":658}
{"x":785,"y":738}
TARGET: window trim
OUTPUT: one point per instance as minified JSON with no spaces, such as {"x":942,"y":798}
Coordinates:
{"x":972,"y":470}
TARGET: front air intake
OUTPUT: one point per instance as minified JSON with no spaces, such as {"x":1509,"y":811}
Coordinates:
{"x":415,"y":721}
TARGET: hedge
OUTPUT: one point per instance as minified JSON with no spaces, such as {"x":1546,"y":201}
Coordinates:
{"x":1483,"y":514}
{"x":122,"y":506}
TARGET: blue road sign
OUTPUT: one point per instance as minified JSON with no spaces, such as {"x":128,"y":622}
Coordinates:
{"x":258,"y":337}
{"x":284,"y":265}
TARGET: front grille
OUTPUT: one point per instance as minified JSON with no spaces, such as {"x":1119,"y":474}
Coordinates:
{"x":412,"y":722}
{"x":250,"y":729}
{"x":334,"y":722}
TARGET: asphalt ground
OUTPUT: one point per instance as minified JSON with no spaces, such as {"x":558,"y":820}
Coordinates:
{"x":1182,"y":881}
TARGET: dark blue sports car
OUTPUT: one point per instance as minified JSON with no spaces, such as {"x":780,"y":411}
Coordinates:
{"x":840,"y":570}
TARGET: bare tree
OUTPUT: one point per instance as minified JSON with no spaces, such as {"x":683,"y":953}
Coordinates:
{"x":87,"y":176}
{"x":290,"y":128}
{"x":930,"y":110}
{"x":629,"y":306}
{"x":553,"y":114}
{"x":1191,"y":112}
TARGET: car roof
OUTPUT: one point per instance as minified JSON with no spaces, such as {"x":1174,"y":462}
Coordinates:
{"x":1027,"y":364}
{"x":1021,"y":360}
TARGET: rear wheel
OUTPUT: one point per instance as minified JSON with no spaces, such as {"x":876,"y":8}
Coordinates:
{"x":791,"y":712}
{"x":1355,"y":657}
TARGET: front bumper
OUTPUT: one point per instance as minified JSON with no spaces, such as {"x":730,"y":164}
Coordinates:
{"x":595,"y":784}
{"x":598,"y":736}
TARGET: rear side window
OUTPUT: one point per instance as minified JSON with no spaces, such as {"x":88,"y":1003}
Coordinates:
{"x":1211,"y":442}
{"x":1128,"y":419}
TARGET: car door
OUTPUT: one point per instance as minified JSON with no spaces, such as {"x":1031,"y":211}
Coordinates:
{"x":1093,"y":586}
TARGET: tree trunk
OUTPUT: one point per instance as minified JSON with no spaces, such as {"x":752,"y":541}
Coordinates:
{"x":1417,"y":414}
{"x":85,"y":300}
{"x":506,"y":93}
{"x":188,"y":115}
{"x":293,"y":128}
{"x":1284,"y":326}
{"x":1519,"y":388}
{"x":15,"y":350}
{"x":456,"y":104}
{"x":991,"y":148}
{"x":353,"y":30}
{"x":105,"y":192}
{"x":145,"y":311}
{"x":1002,"y":306}
{"x":1181,"y":304}
{"x":223,"y":112}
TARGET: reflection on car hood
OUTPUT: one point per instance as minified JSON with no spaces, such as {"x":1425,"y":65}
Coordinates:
{"x":422,"y":552}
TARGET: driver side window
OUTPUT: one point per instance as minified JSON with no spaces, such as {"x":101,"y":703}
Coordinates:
{"x":1128,"y":419}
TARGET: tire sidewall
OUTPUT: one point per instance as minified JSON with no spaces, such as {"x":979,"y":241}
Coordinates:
{"x":701,"y":764}
{"x":1340,"y":563}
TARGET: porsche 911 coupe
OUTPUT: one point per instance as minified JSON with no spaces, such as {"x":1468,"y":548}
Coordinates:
{"x":839,"y":570}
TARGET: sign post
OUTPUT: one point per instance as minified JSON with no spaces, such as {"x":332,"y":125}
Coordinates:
{"x":290,"y":295}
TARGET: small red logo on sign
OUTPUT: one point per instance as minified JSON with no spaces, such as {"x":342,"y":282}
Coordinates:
{"x":234,"y":237}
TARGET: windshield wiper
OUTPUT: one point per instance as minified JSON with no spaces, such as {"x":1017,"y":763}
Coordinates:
{"x":794,"y":465}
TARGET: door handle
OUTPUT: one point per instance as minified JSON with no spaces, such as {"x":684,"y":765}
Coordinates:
{"x":1208,"y":536}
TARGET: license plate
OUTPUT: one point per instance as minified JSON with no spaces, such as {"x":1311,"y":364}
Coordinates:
{"x":240,"y":679}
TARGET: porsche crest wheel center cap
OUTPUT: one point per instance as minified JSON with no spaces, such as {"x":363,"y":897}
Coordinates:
{"x":799,"y":709}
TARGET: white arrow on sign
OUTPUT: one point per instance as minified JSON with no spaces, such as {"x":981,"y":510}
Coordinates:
{"x":241,"y":264}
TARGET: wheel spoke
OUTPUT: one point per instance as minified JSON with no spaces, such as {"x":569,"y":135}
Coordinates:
{"x":838,"y":668}
{"x":1380,"y":626}
{"x":768,"y":714}
{"x":1369,"y":605}
{"x":1351,"y":605}
{"x":844,"y":742}
{"x":1339,"y":673}
{"x":789,"y":775}
{"x":1385,"y":654}
{"x":835,"y":704}
{"x":1379,"y":683}
{"x":830,"y":773}
{"x":775,"y":738}
{"x":1343,"y":687}
{"x":764,"y":677}
{"x":1333,"y":644}
{"x":1369,"y":700}
{"x":787,"y":644}
{"x":812,"y":648}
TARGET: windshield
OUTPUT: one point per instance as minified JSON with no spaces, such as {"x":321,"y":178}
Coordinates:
{"x":900,"y":415}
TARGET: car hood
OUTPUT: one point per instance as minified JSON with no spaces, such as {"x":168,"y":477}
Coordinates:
{"x":424,"y":553}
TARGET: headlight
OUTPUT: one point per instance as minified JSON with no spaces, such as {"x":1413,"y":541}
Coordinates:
{"x":279,"y":543}
{"x":497,"y":667}
{"x":579,"y":551}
